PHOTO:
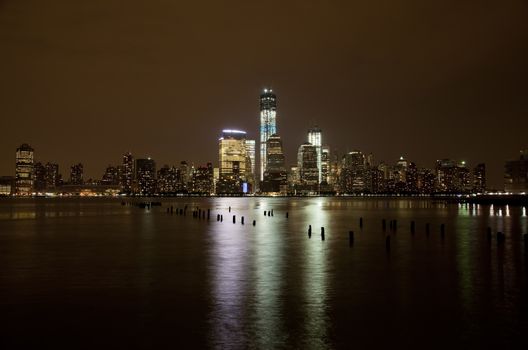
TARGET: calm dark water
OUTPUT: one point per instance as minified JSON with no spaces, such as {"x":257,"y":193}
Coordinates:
{"x":91,"y":273}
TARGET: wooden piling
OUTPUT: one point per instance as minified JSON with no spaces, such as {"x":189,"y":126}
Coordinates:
{"x":242,"y":220}
{"x":351,"y":238}
{"x":322,"y":234}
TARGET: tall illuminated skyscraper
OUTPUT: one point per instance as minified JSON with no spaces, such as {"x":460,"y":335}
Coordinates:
{"x":128,"y":173}
{"x":24,"y":170}
{"x":250,"y":148}
{"x":325,"y":164}
{"x":268,"y":124}
{"x":235,"y":163}
{"x":315,"y":138}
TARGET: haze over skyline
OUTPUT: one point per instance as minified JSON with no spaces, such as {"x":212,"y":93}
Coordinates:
{"x":86,"y":82}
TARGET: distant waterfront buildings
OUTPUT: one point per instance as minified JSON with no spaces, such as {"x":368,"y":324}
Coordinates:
{"x":353,"y":172}
{"x":479,"y":178}
{"x":53,"y":176}
{"x":77,"y":174}
{"x":203,"y":183}
{"x":39,"y":172}
{"x":111,"y":177}
{"x":268,"y":125}
{"x":146,"y":176}
{"x":452,"y":176}
{"x":516,"y":174}
{"x":24,"y":174}
{"x":7,"y":185}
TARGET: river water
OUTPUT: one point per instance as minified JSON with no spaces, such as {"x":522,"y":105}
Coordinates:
{"x":92,"y":273}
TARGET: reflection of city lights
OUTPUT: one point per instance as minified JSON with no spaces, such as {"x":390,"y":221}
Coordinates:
{"x":524,"y":211}
{"x":507,"y":210}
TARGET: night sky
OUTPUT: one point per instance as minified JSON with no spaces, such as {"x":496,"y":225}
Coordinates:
{"x":85,"y":81}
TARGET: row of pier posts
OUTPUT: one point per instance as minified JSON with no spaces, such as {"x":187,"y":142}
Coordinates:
{"x":393,"y":225}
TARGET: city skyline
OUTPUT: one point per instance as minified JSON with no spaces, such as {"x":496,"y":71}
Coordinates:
{"x":495,"y":177}
{"x":419,"y":80}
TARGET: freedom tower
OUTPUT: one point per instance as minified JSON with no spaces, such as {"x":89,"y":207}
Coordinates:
{"x":268,"y":124}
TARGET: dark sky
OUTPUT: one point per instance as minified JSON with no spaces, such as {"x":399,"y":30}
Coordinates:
{"x":85,"y":81}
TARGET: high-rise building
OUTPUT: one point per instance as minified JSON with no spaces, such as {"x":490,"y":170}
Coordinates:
{"x":308,"y":171}
{"x":127,"y":181}
{"x":479,"y":178}
{"x":268,"y":124}
{"x":235,"y":163}
{"x":401,"y":170}
{"x":325,"y":165}
{"x":24,"y":175}
{"x":203,"y":180}
{"x":7,"y":185}
{"x":250,"y":148}
{"x":452,"y":177}
{"x":77,"y":174}
{"x":111,"y":176}
{"x":516,"y":174}
{"x":426,"y":181}
{"x":315,"y":138}
{"x":411,"y":178}
{"x":353,"y":172}
{"x":168,"y":180}
{"x":275,"y":176}
{"x":185,"y":177}
{"x":53,"y":177}
{"x":39,"y":183}
{"x":146,"y":176}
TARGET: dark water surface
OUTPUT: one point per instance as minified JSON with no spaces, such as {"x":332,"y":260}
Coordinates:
{"x":91,"y":273}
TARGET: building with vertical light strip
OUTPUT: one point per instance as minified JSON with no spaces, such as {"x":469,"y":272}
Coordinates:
{"x":315,"y":138}
{"x":250,"y":148}
{"x":268,"y":125}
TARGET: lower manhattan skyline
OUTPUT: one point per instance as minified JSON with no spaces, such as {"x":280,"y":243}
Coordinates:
{"x":245,"y":174}
{"x":426,"y":81}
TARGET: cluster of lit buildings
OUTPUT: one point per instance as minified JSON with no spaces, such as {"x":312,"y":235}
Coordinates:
{"x":316,"y":171}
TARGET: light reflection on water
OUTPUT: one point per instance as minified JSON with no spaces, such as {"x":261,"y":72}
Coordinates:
{"x":269,"y":285}
{"x":315,"y":274}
